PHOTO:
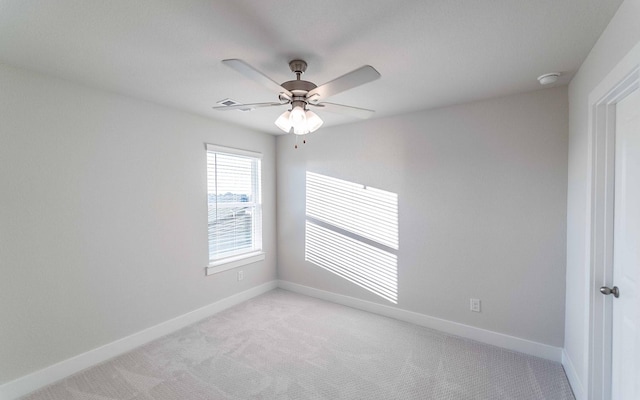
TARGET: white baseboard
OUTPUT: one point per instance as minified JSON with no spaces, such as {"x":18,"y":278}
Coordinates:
{"x":36,"y":380}
{"x":572,"y":376}
{"x":481,"y":335}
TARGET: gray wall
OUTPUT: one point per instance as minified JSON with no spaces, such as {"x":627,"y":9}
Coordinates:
{"x":620,"y":36}
{"x":482,"y":203}
{"x":103,"y":218}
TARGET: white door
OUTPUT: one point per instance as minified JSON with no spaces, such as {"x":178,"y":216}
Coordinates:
{"x":625,"y":377}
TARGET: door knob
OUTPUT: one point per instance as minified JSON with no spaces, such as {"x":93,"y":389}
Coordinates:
{"x":607,"y":291}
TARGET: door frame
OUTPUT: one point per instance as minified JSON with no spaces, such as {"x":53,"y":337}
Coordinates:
{"x":621,"y":81}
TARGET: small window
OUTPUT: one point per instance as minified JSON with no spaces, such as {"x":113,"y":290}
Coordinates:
{"x":235,"y":208}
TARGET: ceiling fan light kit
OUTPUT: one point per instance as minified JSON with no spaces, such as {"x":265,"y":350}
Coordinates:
{"x":299,"y":121}
{"x":300,"y":94}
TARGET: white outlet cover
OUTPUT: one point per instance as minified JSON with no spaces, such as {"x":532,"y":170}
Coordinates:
{"x":474,"y":305}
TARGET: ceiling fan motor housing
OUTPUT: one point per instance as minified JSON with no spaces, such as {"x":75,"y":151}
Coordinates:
{"x":298,"y":87}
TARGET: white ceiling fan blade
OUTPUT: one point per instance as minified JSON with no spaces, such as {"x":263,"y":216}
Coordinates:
{"x":247,"y":107}
{"x":252,"y":73}
{"x":347,"y":81}
{"x":362,"y":113}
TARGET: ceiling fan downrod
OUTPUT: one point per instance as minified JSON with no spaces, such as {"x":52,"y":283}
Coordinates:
{"x":298,"y":67}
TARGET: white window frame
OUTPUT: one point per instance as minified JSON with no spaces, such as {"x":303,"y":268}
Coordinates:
{"x":256,"y":253}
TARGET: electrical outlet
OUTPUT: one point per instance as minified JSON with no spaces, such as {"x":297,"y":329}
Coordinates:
{"x":240,"y":275}
{"x":474,"y":305}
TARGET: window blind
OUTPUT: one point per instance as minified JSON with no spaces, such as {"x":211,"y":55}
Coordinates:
{"x":234,"y":202}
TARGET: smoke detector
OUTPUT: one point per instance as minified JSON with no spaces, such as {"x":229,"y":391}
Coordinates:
{"x":548,"y":79}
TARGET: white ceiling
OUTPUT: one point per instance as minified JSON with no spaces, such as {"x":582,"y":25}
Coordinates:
{"x":430,"y":53}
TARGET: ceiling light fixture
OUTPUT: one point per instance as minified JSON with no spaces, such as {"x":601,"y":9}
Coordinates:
{"x":298,"y":120}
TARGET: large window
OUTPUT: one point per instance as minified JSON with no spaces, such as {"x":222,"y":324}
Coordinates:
{"x":235,"y":207}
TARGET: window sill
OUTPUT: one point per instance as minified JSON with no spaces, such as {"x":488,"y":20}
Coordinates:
{"x":234,"y":262}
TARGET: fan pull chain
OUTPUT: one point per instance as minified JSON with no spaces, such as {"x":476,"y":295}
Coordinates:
{"x":304,"y":141}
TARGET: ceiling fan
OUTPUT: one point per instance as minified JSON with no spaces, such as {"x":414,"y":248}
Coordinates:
{"x":300,"y":94}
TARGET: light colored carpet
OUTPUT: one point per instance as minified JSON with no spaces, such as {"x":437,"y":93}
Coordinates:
{"x":285,"y":346}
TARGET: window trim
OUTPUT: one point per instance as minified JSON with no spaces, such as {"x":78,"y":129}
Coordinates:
{"x":235,"y":261}
{"x":228,"y":263}
{"x":233,"y":151}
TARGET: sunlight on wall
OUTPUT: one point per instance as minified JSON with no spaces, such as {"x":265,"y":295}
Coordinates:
{"x":365,"y":211}
{"x":352,"y":231}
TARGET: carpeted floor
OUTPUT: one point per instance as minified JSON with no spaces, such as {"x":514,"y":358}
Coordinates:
{"x":285,"y":346}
